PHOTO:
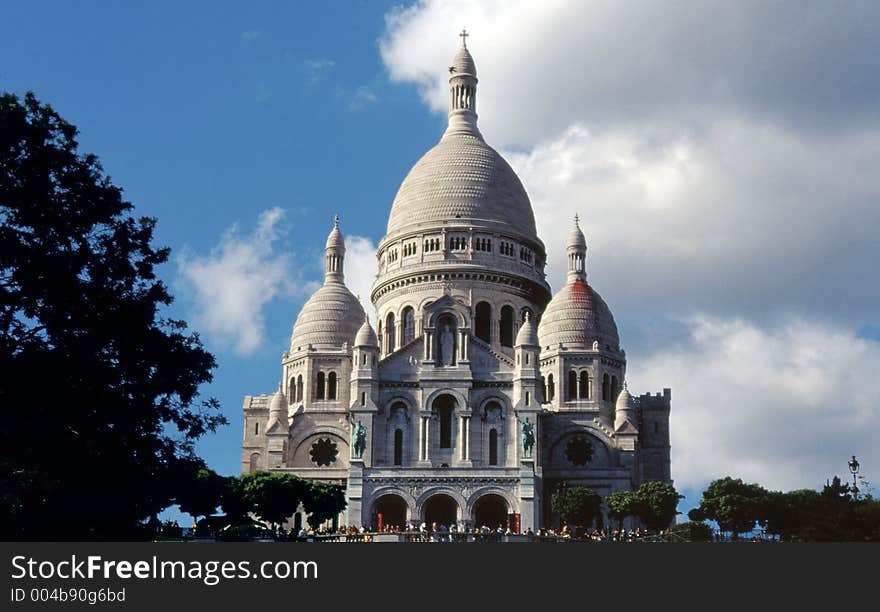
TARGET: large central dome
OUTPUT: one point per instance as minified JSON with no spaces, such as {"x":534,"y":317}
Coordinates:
{"x":462,"y":179}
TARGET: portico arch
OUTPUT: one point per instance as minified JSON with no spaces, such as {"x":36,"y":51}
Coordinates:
{"x":390,"y":511}
{"x":490,"y":510}
{"x":442,"y":509}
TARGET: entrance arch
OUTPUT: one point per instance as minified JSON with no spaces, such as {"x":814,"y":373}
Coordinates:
{"x":441,"y":509}
{"x":490,"y":510}
{"x":392,"y":509}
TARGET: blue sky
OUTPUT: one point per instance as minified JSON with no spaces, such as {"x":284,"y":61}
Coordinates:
{"x":722,"y":157}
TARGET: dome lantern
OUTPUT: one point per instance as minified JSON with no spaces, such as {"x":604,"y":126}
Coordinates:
{"x":576,"y":248}
{"x":334,"y":255}
{"x":463,"y":91}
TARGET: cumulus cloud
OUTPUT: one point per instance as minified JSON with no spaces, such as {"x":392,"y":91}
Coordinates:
{"x":747,"y":401}
{"x":722,"y":159}
{"x":229,"y":287}
{"x":360,"y":267}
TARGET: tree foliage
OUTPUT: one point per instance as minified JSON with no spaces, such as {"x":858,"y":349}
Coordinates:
{"x":274,"y":496}
{"x":621,"y":504}
{"x":656,"y":504}
{"x":202,"y":493}
{"x":735,"y":505}
{"x":101,"y":392}
{"x":578,"y":506}
{"x":323,"y":502}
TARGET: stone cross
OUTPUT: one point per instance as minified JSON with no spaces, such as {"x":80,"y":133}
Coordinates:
{"x":464,"y":36}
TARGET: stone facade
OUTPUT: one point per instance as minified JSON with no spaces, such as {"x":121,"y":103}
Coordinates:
{"x":477,"y":394}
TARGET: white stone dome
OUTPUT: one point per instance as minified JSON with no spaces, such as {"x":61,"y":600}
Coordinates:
{"x":463,"y":63}
{"x":462,"y":181}
{"x":527,"y":335}
{"x":331,"y":317}
{"x":625,"y":400}
{"x":366,"y":336}
{"x":577,"y":316}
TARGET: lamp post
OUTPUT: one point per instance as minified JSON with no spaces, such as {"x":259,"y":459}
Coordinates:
{"x":854,"y":470}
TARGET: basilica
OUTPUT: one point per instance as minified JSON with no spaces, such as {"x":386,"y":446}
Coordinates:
{"x":471,"y":392}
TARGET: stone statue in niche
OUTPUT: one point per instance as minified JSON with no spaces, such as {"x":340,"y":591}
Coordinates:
{"x":446,"y":345}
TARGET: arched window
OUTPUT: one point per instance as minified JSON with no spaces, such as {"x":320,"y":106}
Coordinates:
{"x":331,"y":386}
{"x":572,"y":385}
{"x":544,"y":399}
{"x":506,"y":326}
{"x":446,"y":426}
{"x":615,"y":390}
{"x":255,"y":462}
{"x":291,"y":391}
{"x":389,"y":333}
{"x":606,"y":391}
{"x":409,"y":325}
{"x":381,"y":337}
{"x":483,"y":321}
{"x":585,"y":385}
{"x":319,"y":386}
{"x":551,"y":388}
{"x":398,"y":447}
{"x":493,"y":447}
{"x":299,"y":388}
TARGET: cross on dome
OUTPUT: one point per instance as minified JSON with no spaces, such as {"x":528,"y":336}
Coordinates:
{"x":464,"y":36}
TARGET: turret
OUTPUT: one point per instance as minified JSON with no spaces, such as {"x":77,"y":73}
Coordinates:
{"x":463,"y":91}
{"x":576,"y":248}
{"x":625,"y":419}
{"x":364,"y":373}
{"x":526,"y":380}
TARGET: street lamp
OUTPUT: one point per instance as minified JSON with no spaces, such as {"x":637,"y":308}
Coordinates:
{"x":854,"y":469}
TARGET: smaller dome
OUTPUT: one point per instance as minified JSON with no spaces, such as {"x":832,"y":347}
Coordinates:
{"x":331,"y":317}
{"x":334,"y":240}
{"x":576,"y":239}
{"x":576,"y":317}
{"x":625,"y":400}
{"x":276,"y":402}
{"x":527,"y":335}
{"x":463,"y":64}
{"x":366,"y":336}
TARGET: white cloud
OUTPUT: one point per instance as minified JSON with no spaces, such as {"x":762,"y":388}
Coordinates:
{"x":360,"y":268}
{"x":230,"y":287}
{"x":784,"y":407}
{"x":363,"y":96}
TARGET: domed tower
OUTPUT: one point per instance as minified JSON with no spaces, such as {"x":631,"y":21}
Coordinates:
{"x":582,"y":363}
{"x":318,"y":366}
{"x":461,"y":226}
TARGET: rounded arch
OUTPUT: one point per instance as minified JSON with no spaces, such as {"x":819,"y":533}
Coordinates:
{"x":460,"y":399}
{"x":425,"y":497}
{"x":254,"y":462}
{"x":332,"y":386}
{"x":502,"y":401}
{"x":390,"y":328}
{"x":474,"y":497}
{"x":506,"y":326}
{"x":483,"y":321}
{"x":391,"y":510}
{"x":490,"y":510}
{"x":300,"y":441}
{"x":603,"y":452}
{"x":408,"y":324}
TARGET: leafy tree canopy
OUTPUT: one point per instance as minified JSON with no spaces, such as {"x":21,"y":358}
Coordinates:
{"x":578,"y":506}
{"x":323,"y":502}
{"x":100,"y":392}
{"x":274,"y":496}
{"x":656,"y":504}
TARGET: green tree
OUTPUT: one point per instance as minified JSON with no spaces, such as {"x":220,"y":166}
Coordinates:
{"x":323,"y":502}
{"x":621,"y":505}
{"x":735,"y":505}
{"x":202,"y":494}
{"x":234,"y":501}
{"x":578,"y":506}
{"x":692,"y":531}
{"x":275,"y":496}
{"x":100,"y":449}
{"x":656,"y":504}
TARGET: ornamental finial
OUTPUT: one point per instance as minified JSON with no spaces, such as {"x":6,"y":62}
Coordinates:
{"x":464,"y":36}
